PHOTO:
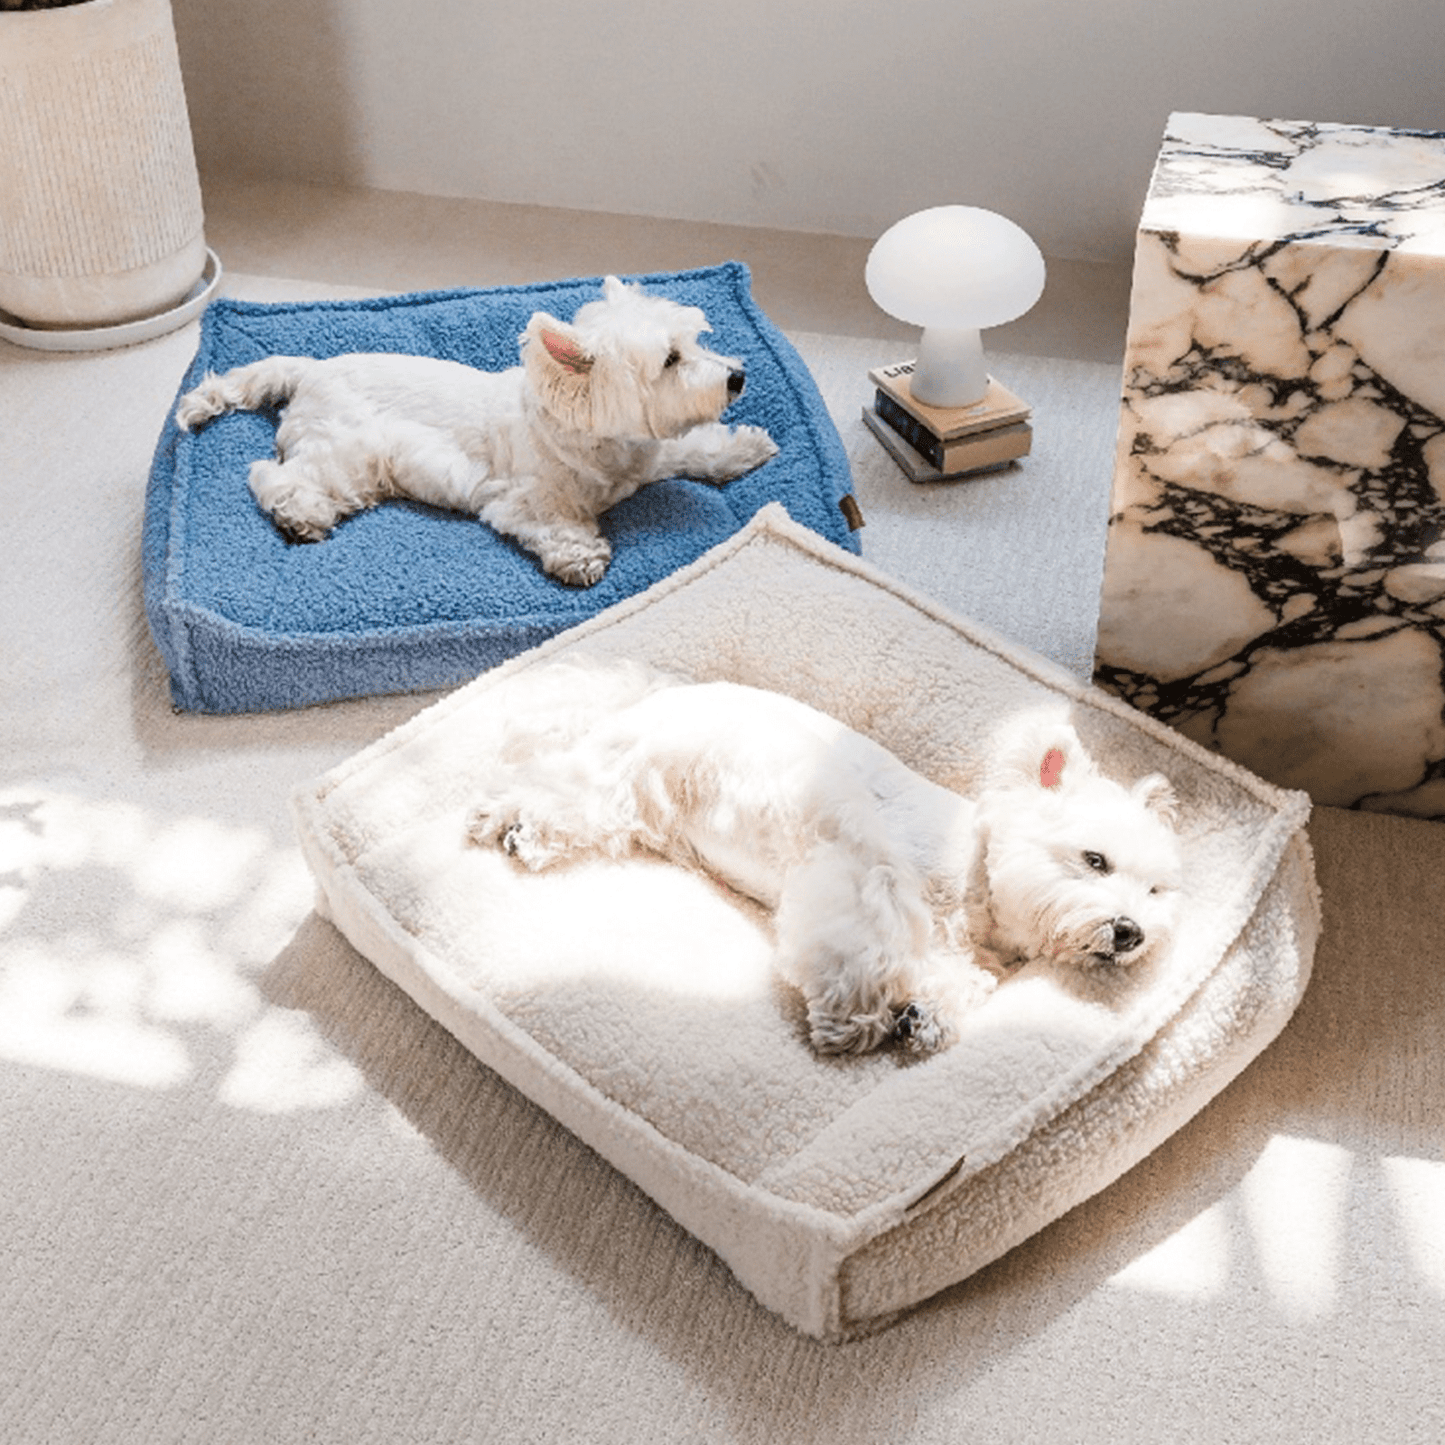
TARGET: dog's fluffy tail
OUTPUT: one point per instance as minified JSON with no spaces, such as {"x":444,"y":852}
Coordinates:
{"x":553,"y":706}
{"x":246,"y":388}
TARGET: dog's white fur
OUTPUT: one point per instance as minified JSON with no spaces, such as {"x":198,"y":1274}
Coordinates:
{"x":898,"y":902}
{"x":623,"y":396}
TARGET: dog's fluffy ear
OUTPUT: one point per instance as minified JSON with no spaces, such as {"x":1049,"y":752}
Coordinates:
{"x":1038,"y":750}
{"x":559,"y":370}
{"x":561,"y":343}
{"x":1042,"y":751}
{"x":615,"y":290}
{"x":1051,"y":769}
{"x":1157,"y":794}
{"x":1058,"y":760}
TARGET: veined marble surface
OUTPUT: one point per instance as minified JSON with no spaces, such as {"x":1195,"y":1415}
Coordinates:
{"x":1260,"y":180}
{"x":1275,"y":577}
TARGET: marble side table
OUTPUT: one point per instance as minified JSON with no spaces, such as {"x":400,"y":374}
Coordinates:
{"x":1275,"y":577}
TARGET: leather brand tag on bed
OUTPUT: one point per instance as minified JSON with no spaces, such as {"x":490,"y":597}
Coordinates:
{"x":852,"y":512}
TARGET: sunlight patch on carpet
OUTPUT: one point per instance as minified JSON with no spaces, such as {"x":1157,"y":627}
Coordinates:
{"x":282,"y":1065}
{"x":1193,"y":1263}
{"x":1294,"y":1200}
{"x":79,"y":1016}
{"x":127,"y":936}
{"x":1417,"y":1188}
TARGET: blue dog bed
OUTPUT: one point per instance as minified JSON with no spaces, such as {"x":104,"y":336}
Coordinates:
{"x":405,"y":597}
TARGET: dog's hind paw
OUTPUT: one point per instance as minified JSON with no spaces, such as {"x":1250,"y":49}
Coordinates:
{"x":500,"y":823}
{"x":299,"y":533}
{"x":579,"y":565}
{"x":587,"y":573}
{"x":492,"y":826}
{"x":533,"y":848}
{"x":195,"y":410}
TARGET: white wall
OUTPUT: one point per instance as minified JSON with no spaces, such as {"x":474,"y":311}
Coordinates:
{"x":815,"y":115}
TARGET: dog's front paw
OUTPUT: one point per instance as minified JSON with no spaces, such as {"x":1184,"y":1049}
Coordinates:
{"x":749,"y":448}
{"x":918,"y":1028}
{"x":485,"y":826}
{"x":835,"y":1033}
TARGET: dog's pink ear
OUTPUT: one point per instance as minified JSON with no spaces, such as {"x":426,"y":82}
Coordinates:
{"x":1051,"y":770}
{"x":566,"y":352}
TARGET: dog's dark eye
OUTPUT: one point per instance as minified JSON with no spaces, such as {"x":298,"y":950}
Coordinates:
{"x":1097,"y":862}
{"x":673,"y":357}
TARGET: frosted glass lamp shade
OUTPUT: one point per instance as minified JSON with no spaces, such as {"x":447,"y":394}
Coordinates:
{"x":954,"y":270}
{"x":956,"y":267}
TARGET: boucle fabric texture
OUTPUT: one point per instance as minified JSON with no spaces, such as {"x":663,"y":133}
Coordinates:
{"x":634,"y":1000}
{"x":406,"y":597}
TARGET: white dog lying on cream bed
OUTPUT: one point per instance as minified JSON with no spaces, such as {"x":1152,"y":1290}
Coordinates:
{"x":898,"y":902}
{"x":639,"y":1004}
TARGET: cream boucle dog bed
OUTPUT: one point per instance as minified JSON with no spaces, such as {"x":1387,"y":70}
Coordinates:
{"x":634,"y":1001}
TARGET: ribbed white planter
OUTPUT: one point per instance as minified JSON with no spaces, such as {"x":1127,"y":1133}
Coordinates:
{"x":100,"y":205}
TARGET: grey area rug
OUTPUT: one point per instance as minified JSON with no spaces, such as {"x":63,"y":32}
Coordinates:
{"x":249,"y":1193}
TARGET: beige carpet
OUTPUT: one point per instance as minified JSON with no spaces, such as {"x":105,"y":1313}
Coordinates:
{"x":249,"y":1193}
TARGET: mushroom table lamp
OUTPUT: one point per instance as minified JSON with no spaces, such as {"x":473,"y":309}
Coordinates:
{"x":954,"y":270}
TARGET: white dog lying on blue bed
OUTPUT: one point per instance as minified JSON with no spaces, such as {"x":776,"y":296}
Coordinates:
{"x":623,"y":397}
{"x":898,"y":902}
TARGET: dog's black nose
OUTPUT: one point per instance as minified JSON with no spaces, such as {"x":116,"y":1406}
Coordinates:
{"x":737,"y":379}
{"x":1127,"y":935}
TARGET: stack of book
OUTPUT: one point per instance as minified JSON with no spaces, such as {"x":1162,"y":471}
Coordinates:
{"x":933,"y":443}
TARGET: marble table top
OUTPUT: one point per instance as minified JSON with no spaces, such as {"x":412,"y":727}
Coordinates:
{"x":1371,"y":187}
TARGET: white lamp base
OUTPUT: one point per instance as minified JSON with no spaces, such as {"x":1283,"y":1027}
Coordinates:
{"x":950,"y":370}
